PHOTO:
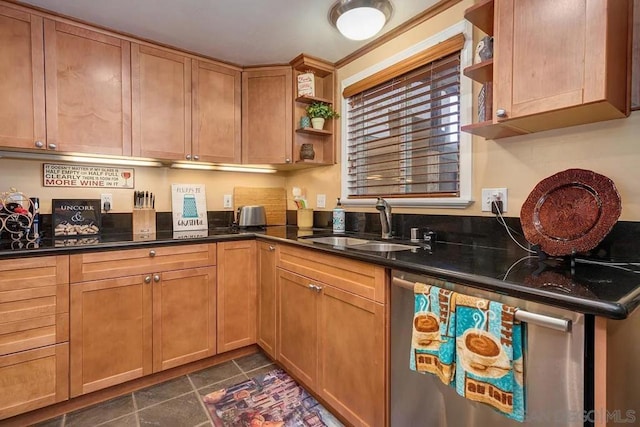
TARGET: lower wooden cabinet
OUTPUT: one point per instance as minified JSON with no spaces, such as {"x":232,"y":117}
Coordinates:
{"x":128,"y":327}
{"x":334,"y":342}
{"x":237,"y":294}
{"x":267,"y":297}
{"x":33,"y":379}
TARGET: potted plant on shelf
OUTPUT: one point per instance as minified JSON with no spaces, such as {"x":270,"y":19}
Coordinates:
{"x":318,"y":112}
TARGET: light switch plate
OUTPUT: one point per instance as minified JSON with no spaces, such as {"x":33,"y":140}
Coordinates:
{"x":104,"y":199}
{"x":321,"y":200}
{"x":227,"y":201}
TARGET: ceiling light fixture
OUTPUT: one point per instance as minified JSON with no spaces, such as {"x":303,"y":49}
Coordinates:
{"x":360,"y":19}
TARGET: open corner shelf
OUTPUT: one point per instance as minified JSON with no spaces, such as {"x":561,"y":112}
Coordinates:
{"x":481,"y":16}
{"x":490,"y":130}
{"x":311,"y":99}
{"x":312,"y":131}
{"x":481,"y":72}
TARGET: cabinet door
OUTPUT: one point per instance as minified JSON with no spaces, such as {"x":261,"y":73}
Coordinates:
{"x":237,"y":289}
{"x":110,"y":332}
{"x":88,"y":81}
{"x":22,"y":110}
{"x":161,"y":93}
{"x":267,"y":116}
{"x":216,"y":113}
{"x":267,"y":298}
{"x":551,"y":55}
{"x":184,"y":317}
{"x":33,"y":379}
{"x":297,"y":345}
{"x":352,"y":357}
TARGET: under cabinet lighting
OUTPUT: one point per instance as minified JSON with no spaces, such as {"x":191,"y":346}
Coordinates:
{"x":224,"y":168}
{"x":73,"y":158}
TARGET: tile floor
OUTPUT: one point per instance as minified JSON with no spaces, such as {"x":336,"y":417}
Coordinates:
{"x":174,"y":403}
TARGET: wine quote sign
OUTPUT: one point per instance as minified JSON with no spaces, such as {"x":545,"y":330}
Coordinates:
{"x":188,"y":207}
{"x":87,"y":176}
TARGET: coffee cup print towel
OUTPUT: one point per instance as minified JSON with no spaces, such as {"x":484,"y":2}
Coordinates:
{"x":489,"y":355}
{"x":189,"y":207}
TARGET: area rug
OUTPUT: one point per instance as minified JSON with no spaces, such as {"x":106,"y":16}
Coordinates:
{"x":273,"y":399}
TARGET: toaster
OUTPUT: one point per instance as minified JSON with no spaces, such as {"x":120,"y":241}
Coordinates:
{"x":251,"y":216}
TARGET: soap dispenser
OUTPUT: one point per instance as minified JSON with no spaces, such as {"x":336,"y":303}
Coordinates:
{"x":338,"y":218}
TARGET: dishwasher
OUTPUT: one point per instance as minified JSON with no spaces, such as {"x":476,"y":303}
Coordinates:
{"x":554,"y":360}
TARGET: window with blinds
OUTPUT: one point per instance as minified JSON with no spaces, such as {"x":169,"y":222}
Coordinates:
{"x":403,"y":135}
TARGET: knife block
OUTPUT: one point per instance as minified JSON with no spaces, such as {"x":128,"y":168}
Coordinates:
{"x":144,"y":221}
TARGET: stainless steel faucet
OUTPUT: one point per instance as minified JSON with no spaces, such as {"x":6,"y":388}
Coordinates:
{"x":385,"y":217}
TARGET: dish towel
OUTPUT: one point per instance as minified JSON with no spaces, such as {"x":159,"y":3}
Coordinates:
{"x":433,"y":335}
{"x":489,"y":356}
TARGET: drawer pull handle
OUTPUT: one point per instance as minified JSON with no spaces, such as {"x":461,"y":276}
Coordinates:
{"x":147,"y":279}
{"x":272,"y":248}
{"x":156,"y":278}
{"x":152,"y":253}
{"x":315,"y":287}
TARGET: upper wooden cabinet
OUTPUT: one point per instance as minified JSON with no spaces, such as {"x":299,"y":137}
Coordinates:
{"x":88,"y":87}
{"x":216,"y":122}
{"x":267,"y":116}
{"x":557,"y":64}
{"x":22,"y":110}
{"x":161,"y":101}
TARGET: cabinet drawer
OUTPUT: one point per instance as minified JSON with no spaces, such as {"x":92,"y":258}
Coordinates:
{"x":110,"y":264}
{"x":33,"y":379}
{"x":357,"y":277}
{"x":34,"y":303}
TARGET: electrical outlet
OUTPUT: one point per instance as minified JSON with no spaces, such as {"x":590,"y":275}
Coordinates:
{"x":489,"y":194}
{"x":321,"y":201}
{"x":106,"y":202}
{"x":227,"y":201}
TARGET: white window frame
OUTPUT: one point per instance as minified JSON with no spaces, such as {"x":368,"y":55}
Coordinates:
{"x":466,"y":112}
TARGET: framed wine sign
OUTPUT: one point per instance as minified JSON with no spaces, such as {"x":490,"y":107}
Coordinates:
{"x":87,"y":176}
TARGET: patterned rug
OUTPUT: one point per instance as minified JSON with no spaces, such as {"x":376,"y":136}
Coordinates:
{"x":273,"y":399}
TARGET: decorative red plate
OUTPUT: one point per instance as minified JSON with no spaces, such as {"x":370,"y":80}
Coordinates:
{"x":571,"y":211}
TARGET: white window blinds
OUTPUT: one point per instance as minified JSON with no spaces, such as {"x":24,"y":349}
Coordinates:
{"x":403,"y":135}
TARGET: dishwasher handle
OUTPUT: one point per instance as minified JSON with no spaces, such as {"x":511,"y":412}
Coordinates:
{"x":545,"y":321}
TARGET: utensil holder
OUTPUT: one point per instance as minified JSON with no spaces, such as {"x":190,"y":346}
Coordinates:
{"x":144,"y":222}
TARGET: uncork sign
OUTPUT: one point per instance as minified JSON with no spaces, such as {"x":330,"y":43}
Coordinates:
{"x":87,"y":176}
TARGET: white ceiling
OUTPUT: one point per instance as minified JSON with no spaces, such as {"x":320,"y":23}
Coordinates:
{"x":243,"y":32}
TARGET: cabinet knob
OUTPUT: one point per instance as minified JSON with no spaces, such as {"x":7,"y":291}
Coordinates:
{"x":272,"y":248}
{"x":196,"y":157}
{"x":147,"y":279}
{"x":188,"y":156}
{"x":152,"y":253}
{"x":287,"y":160}
{"x":501,"y":112}
{"x":39,"y":144}
{"x":156,"y":278}
{"x":53,"y":147}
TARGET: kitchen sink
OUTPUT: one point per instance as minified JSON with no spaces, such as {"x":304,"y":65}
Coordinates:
{"x":337,"y":240}
{"x":360,"y":244}
{"x":382,"y":247}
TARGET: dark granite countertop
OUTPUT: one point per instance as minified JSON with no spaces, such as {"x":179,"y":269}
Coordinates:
{"x":605,"y":289}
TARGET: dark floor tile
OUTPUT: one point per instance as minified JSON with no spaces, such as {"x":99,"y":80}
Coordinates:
{"x":126,"y":421}
{"x":222,"y":384}
{"x":183,"y":411}
{"x":214,"y":374}
{"x":53,"y":422}
{"x":253,"y":361}
{"x":102,"y":412}
{"x":161,"y":392}
{"x":262,"y":370}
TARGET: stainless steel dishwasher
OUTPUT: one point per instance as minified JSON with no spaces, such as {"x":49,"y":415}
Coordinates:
{"x":554,"y":368}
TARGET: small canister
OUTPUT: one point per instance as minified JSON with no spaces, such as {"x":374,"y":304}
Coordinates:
{"x":415,"y":233}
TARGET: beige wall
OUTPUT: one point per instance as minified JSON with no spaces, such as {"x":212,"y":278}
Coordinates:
{"x":519,"y":163}
{"x":26,"y":176}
